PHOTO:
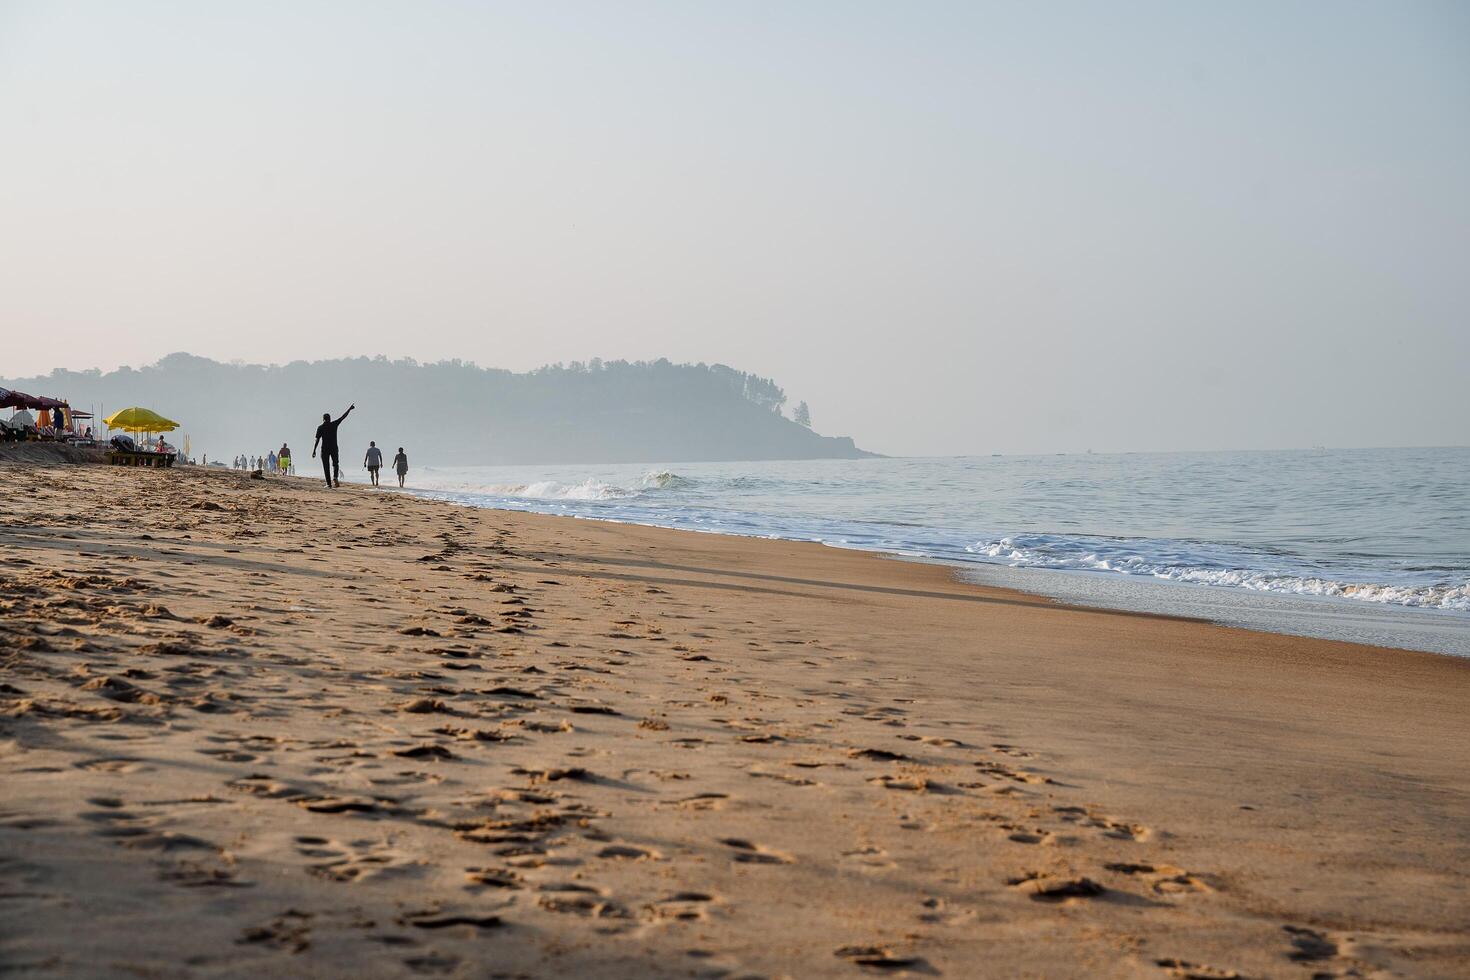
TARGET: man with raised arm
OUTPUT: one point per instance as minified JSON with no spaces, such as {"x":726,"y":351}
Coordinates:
{"x":326,"y":435}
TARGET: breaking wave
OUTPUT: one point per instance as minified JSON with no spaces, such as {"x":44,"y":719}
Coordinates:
{"x":664,"y":480}
{"x":1205,"y":564}
{"x":590,"y":489}
{"x":552,"y":490}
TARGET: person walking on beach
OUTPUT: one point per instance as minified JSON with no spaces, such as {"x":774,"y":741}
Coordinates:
{"x":400,"y":465}
{"x":326,"y":436}
{"x":373,"y":461}
{"x":285,"y":458}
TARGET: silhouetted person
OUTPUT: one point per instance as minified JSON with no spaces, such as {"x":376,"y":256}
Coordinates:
{"x":373,"y":461}
{"x":400,"y":465}
{"x":326,"y":434}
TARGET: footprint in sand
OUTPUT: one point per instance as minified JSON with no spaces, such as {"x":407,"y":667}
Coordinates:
{"x":441,"y":919}
{"x":1042,"y":887}
{"x":168,"y":841}
{"x":553,"y":774}
{"x":426,"y":751}
{"x":578,"y":899}
{"x":628,"y":852}
{"x":429,"y":964}
{"x":406,"y":777}
{"x":880,"y":958}
{"x":682,"y":906}
{"x":912,"y":784}
{"x":1165,"y":879}
{"x":263,"y":785}
{"x":122,"y":765}
{"x":699,"y":801}
{"x":1011,"y":750}
{"x":289,"y":932}
{"x":1185,"y":970}
{"x":937,"y":741}
{"x":546,"y":728}
{"x":1000,"y":771}
{"x":1027,"y":835}
{"x":493,"y":878}
{"x":782,"y":777}
{"x":1309,"y":945}
{"x":345,"y":804}
{"x":868,"y":858}
{"x":195,"y":874}
{"x":939,"y":912}
{"x":347,"y":862}
{"x":744,"y":852}
{"x":232,"y":755}
{"x":1116,"y":829}
{"x":117,"y":823}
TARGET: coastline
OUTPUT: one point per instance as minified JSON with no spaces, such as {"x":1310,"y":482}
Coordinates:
{"x":1372,"y":624}
{"x":641,"y":750}
{"x":1365,"y":574}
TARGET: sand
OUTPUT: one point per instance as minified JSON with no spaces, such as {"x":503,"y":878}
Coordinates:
{"x":258,"y":728}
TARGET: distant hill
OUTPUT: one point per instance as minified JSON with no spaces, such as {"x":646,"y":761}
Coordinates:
{"x":456,"y":413}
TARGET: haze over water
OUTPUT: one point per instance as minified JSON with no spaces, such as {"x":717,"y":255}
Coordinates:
{"x":1370,"y":545}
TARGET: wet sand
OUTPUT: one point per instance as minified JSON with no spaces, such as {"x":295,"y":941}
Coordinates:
{"x":254,"y":728}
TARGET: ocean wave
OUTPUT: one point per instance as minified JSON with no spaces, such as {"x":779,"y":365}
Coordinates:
{"x":1179,"y":561}
{"x":589,"y":489}
{"x":664,"y":480}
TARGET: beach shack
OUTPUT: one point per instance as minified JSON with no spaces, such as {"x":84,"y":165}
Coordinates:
{"x":50,"y":423}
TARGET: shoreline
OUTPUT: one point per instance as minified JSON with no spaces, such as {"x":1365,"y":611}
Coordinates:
{"x":254,"y":726}
{"x":1382,"y":625}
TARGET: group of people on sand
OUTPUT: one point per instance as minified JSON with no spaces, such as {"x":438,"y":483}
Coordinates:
{"x":271,"y":462}
{"x":326,"y":440}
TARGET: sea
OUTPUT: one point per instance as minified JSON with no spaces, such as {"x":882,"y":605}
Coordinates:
{"x":1368,"y":545}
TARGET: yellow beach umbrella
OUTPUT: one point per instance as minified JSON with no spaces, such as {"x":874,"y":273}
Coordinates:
{"x":140,"y":420}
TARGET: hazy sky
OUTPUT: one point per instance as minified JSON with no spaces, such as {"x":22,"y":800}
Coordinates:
{"x":950,"y":227}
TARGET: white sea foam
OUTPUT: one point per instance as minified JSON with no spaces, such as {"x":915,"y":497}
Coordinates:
{"x":1132,"y":557}
{"x":589,"y":489}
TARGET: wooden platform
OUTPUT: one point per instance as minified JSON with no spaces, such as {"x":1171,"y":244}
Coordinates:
{"x":121,"y":457}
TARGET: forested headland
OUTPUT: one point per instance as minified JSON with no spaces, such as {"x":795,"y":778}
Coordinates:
{"x":456,"y":413}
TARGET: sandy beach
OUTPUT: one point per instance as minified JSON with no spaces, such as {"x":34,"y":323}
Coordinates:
{"x":258,"y":728}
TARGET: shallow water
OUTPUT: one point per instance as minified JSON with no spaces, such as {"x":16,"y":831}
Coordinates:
{"x":1386,"y":530}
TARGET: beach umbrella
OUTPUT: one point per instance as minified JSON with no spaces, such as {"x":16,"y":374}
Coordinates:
{"x":19,"y":399}
{"x":140,"y":420}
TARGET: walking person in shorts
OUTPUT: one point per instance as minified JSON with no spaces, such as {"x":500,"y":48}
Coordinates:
{"x":373,"y":461}
{"x":400,"y":465}
{"x":326,"y":435}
